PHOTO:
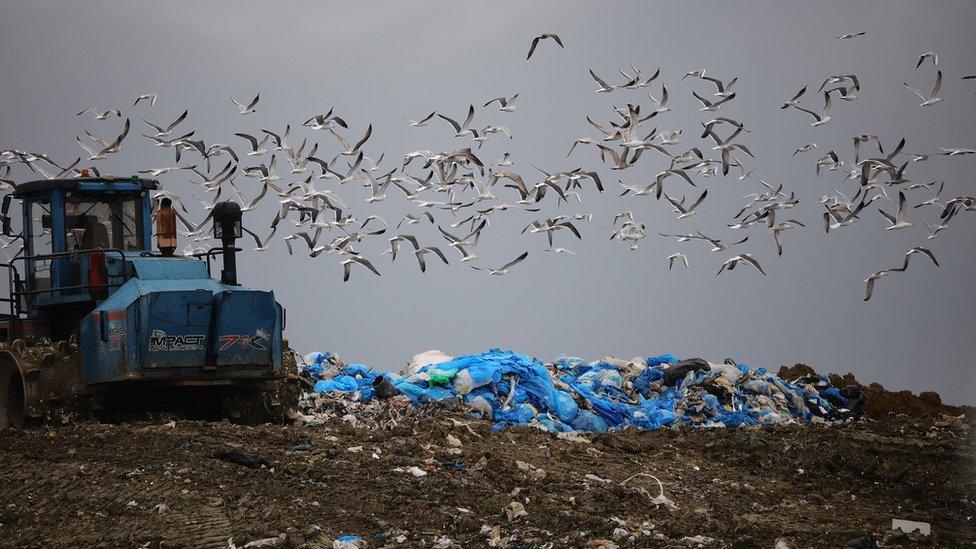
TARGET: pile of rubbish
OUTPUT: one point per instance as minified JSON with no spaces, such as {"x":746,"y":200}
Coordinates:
{"x":571,"y":394}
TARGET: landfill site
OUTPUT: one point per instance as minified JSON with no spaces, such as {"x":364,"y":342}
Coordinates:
{"x":501,"y":450}
{"x":452,"y":275}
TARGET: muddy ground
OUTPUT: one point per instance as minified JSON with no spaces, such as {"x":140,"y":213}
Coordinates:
{"x":159,"y":484}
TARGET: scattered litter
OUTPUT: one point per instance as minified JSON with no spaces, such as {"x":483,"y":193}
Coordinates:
{"x":531,"y":471}
{"x":265,"y":542}
{"x":480,"y":464}
{"x":494,"y":535}
{"x":601,"y":480}
{"x":414,"y":470}
{"x":349,"y":542}
{"x":573,"y":436}
{"x":453,"y":465}
{"x":697,"y":541}
{"x":515,"y":510}
{"x":240,"y":458}
{"x":660,"y":498}
{"x":569,"y":394}
{"x":301,"y":447}
{"x":909,"y":526}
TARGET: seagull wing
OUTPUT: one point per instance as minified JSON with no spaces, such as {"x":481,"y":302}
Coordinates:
{"x":599,"y":80}
{"x":748,"y":258}
{"x":470,"y":117}
{"x":869,"y":288}
{"x":927,"y":252}
{"x":515,"y":261}
{"x":250,"y":138}
{"x":887,"y":216}
{"x":535,"y":42}
{"x":699,"y":201}
{"x":178,"y":120}
{"x":254,"y":101}
{"x":455,"y":125}
{"x":361,"y":142}
{"x":811,"y":113}
{"x":916,"y":92}
{"x":437,"y":251}
{"x":705,"y":102}
{"x":365,"y":263}
{"x":800,"y":93}
{"x":342,"y":140}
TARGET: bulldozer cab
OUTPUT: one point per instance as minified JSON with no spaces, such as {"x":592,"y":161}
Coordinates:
{"x":76,"y":234}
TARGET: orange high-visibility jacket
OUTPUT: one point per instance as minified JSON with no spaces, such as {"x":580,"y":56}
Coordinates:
{"x":166,"y":228}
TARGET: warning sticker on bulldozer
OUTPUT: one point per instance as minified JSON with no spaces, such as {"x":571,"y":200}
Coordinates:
{"x":161,"y":341}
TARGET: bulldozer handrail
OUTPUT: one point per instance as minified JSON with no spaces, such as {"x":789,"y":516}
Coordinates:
{"x":210,"y":253}
{"x":65,"y":255}
{"x":11,"y":298}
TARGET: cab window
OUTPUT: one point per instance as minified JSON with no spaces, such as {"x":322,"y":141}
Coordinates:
{"x":103,"y":223}
{"x":41,"y":244}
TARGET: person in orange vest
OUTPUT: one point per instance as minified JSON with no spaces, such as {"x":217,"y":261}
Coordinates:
{"x":166,"y":227}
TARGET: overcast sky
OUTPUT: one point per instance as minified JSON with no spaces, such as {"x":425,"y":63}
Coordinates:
{"x":376,"y":65}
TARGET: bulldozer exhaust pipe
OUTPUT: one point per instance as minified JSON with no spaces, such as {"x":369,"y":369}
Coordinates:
{"x":227,"y":229}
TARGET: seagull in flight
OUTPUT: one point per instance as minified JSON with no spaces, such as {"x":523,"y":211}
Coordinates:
{"x":897,"y":221}
{"x":101,"y":115}
{"x":604,"y":87}
{"x":504,"y":269}
{"x":249,"y":109}
{"x":717,"y":245}
{"x":869,"y":287}
{"x":794,"y":101}
{"x":679,"y":208}
{"x":460,"y":130}
{"x":851,"y":35}
{"x":724,"y":88}
{"x":535,"y":42}
{"x":262,"y":245}
{"x":805,"y":148}
{"x":677,"y":255}
{"x":712,"y":106}
{"x":933,"y":97}
{"x":505,"y":104}
{"x":927,"y":55}
{"x":731,"y":262}
{"x":163,"y":132}
{"x":151,"y":97}
{"x":352,"y":151}
{"x":422,"y":122}
{"x":257,"y":148}
{"x":819,"y":119}
{"x":347,"y":265}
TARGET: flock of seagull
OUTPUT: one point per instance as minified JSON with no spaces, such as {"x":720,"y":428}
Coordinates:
{"x":460,"y":182}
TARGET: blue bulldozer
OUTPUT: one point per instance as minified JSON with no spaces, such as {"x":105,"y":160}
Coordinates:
{"x":97,"y":322}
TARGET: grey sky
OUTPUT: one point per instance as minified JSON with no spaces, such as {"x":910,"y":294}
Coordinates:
{"x":377,"y":65}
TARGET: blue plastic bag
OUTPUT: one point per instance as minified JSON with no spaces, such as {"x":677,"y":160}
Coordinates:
{"x":661,"y":359}
{"x":341,"y":384}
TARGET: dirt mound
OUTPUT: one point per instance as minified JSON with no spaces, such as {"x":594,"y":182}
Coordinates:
{"x":879,"y":403}
{"x":445,"y":480}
